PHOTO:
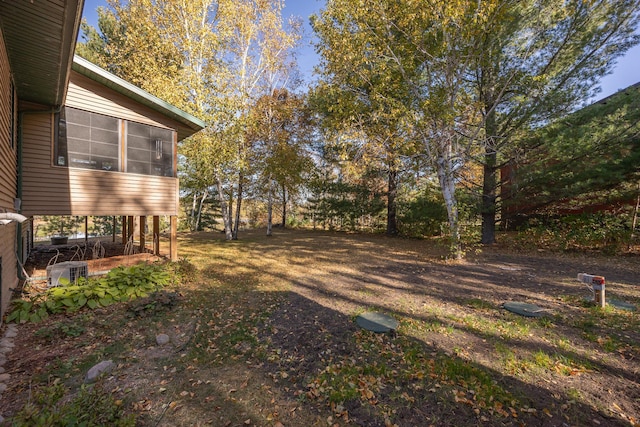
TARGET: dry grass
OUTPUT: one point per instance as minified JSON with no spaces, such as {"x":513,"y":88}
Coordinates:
{"x":264,"y":335}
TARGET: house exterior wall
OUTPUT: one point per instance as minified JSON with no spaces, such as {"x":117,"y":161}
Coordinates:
{"x":8,"y":180}
{"x":89,"y":95}
{"x":59,"y":190}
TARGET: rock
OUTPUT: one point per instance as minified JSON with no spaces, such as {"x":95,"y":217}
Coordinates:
{"x":4,"y":350}
{"x":94,"y":373}
{"x":4,"y":377}
{"x":3,"y":387}
{"x":1,"y":370}
{"x":162,"y":339}
{"x":1,"y":419}
{"x":11,"y":333}
{"x":6,"y":342}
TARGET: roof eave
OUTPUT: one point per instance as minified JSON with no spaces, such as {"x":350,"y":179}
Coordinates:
{"x":190,"y":124}
{"x":40,"y":40}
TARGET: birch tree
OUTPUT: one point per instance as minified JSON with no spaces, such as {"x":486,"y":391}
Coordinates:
{"x":405,"y":61}
{"x":279,"y":129}
{"x":212,"y":58}
{"x":258,"y":55}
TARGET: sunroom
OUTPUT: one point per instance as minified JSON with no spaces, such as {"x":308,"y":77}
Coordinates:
{"x":111,"y":150}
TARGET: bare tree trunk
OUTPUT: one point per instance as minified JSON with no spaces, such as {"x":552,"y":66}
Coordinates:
{"x":634,"y":222}
{"x":226,"y":219}
{"x":392,"y":191}
{"x":446,"y":179}
{"x":199,"y":216}
{"x":490,"y":176}
{"x":193,"y":212}
{"x":230,"y":212}
{"x":270,"y":209}
{"x":238,"y":206}
{"x":488,"y":206}
{"x":284,"y":206}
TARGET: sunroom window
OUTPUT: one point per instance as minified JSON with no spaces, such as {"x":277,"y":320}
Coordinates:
{"x":87,"y":140}
{"x":149,"y":150}
{"x":94,"y":141}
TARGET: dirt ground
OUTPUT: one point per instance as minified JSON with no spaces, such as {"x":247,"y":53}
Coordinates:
{"x":318,"y":282}
{"x":404,"y":277}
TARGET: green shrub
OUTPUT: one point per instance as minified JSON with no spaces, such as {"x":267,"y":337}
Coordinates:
{"x":423,"y":215}
{"x":120,"y":284}
{"x":603,"y":231}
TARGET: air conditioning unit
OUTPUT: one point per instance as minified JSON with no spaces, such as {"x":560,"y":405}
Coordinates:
{"x":70,"y":270}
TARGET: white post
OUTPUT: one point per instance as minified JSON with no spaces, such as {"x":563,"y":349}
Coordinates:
{"x":598,"y":286}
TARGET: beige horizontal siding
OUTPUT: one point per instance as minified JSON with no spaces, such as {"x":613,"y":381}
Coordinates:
{"x":7,"y":146}
{"x":53,"y":190}
{"x":9,"y":277}
{"x":89,"y":95}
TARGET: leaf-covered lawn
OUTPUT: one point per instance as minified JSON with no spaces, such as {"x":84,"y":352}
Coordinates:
{"x":264,"y":334}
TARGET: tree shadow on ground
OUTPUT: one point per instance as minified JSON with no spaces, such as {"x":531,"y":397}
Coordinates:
{"x":335,"y":275}
{"x":310,"y":337}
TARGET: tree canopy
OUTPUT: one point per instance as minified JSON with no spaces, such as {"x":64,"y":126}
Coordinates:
{"x":213,"y":58}
{"x":410,"y":95}
{"x":471,"y":79}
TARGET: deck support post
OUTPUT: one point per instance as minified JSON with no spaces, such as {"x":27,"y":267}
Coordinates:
{"x":130,"y":228}
{"x":173,"y":239}
{"x":124,"y":230}
{"x":143,"y":231}
{"x":156,"y":235}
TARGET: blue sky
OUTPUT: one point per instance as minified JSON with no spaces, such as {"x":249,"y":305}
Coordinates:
{"x":625,"y":73}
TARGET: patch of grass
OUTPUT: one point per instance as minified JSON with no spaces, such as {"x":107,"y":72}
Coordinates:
{"x":421,"y":326}
{"x":381,"y":363}
{"x":507,"y":328}
{"x":542,"y":360}
{"x":90,"y":406}
{"x":545,"y":322}
{"x":60,"y":330}
{"x":609,"y":343}
{"x":574,"y":394}
{"x":586,"y":325}
{"x":512,"y":364}
{"x":562,"y":343}
{"x":609,"y":328}
{"x":479,"y":304}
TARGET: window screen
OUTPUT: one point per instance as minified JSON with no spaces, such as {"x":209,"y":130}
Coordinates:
{"x":92,"y":141}
{"x":87,"y":140}
{"x":149,"y":150}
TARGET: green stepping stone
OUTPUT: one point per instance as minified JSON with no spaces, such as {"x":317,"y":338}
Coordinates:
{"x":377,"y":322}
{"x":523,"y":309}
